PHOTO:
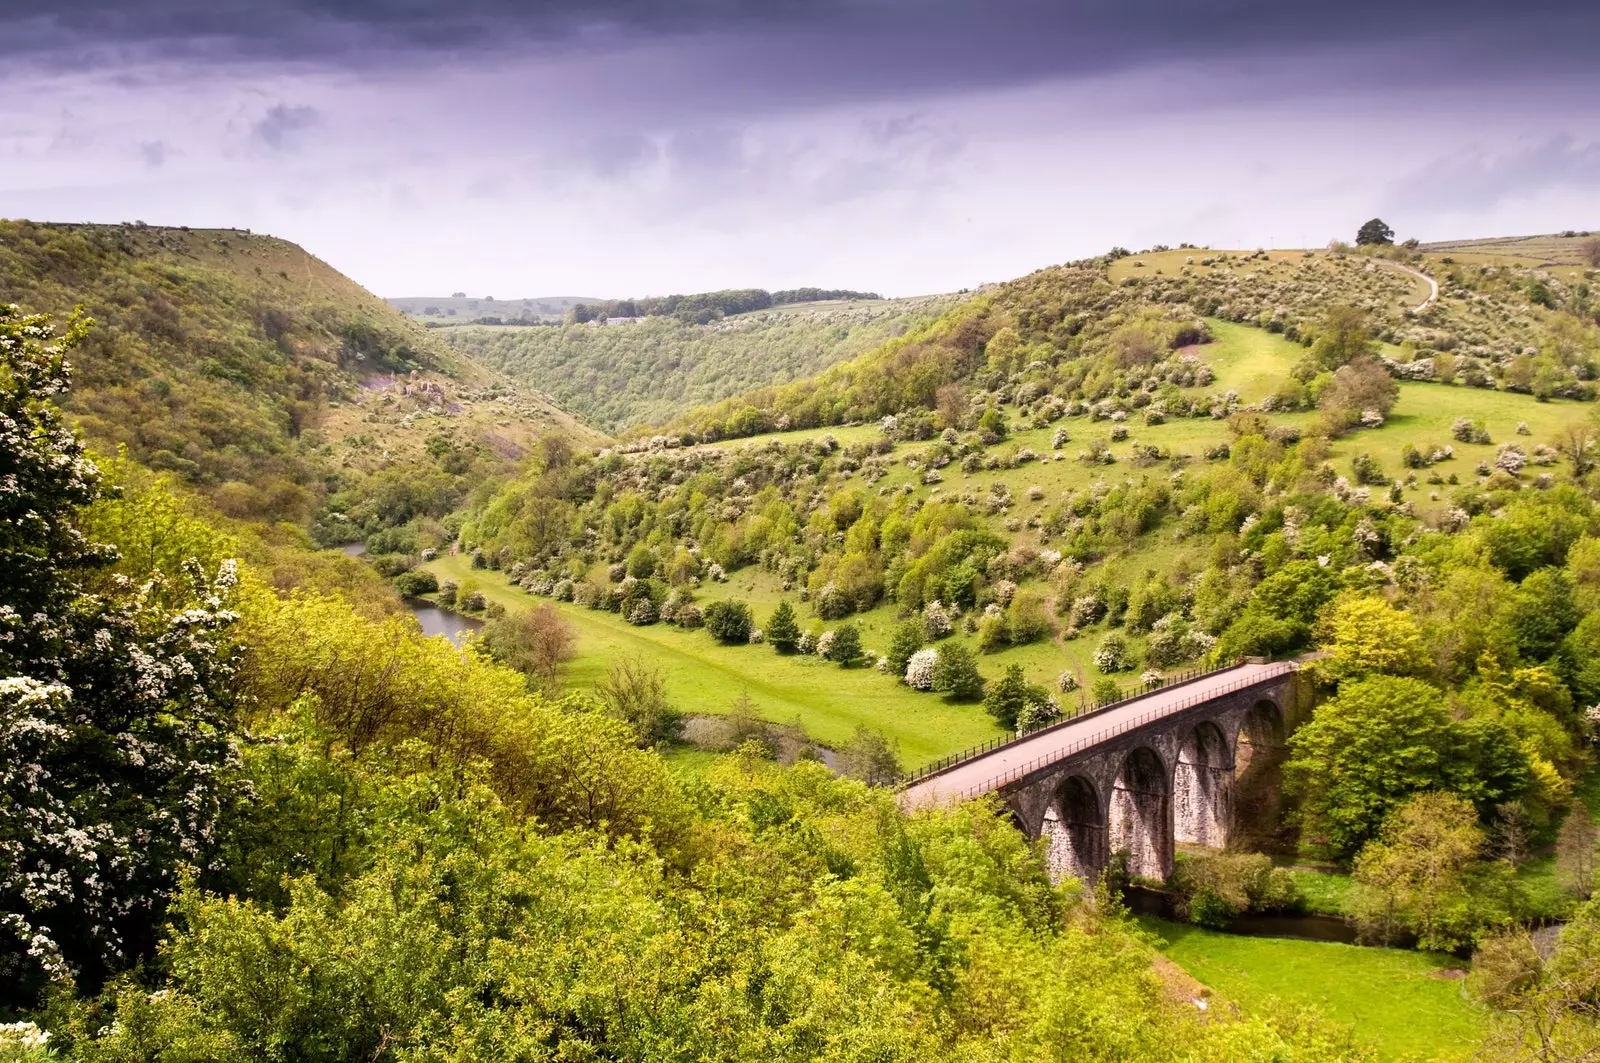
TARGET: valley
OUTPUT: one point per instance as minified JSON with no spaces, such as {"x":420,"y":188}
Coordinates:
{"x":874,"y":533}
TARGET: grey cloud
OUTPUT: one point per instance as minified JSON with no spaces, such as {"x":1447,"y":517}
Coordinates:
{"x":789,"y":51}
{"x":153,"y":152}
{"x":1476,"y":179}
{"x":276,"y":130}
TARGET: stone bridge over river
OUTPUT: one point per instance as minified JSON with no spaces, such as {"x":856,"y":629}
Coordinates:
{"x":1139,"y":775}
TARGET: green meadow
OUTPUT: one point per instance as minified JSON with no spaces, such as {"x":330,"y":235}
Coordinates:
{"x":1404,"y":1005}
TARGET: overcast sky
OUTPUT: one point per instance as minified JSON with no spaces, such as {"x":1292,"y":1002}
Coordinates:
{"x":624,"y":147}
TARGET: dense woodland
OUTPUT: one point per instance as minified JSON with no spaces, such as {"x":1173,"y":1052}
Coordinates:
{"x":250,"y":813}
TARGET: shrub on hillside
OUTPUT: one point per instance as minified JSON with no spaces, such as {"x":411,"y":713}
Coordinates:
{"x":1114,"y":654}
{"x":920,"y":669}
{"x":728,"y":622}
{"x":845,"y":649}
{"x":782,"y":630}
{"x":1010,"y":696}
{"x":1105,"y":690}
{"x":956,"y":673}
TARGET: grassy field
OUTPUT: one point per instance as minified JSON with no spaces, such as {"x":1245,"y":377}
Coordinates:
{"x":1393,"y":999}
{"x":705,"y":677}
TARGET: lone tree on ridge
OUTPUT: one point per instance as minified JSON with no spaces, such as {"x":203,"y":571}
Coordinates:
{"x":1374,"y":232}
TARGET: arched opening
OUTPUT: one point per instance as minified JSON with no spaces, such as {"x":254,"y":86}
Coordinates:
{"x":1258,"y":821}
{"x":1075,"y":830}
{"x":1202,"y":787}
{"x":1261,"y":735}
{"x":1141,"y":815}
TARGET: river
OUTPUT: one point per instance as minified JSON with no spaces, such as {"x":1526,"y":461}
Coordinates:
{"x":437,"y":621}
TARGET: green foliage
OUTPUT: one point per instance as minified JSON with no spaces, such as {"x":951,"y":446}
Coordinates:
{"x":1374,"y":232}
{"x":1382,"y":739}
{"x":782,"y":630}
{"x":646,"y":372}
{"x":1216,"y":887}
{"x":233,"y":362}
{"x":635,"y":692}
{"x":1008,"y":697}
{"x":1419,"y":875}
{"x":845,"y":650}
{"x":728,"y":622}
{"x":116,"y":703}
{"x":416,"y":582}
{"x":1105,"y":690}
{"x":956,"y":673}
{"x":908,"y":639}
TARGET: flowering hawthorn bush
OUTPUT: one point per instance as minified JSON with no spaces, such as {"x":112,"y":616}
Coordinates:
{"x":116,"y":753}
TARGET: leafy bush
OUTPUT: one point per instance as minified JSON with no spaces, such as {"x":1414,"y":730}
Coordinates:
{"x":956,"y":673}
{"x":728,"y":622}
{"x":416,"y":582}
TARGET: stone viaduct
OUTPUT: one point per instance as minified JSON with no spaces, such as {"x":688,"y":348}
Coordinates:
{"x":1138,"y":776}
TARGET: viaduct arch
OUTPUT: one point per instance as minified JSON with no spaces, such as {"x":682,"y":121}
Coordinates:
{"x":1136,"y":777}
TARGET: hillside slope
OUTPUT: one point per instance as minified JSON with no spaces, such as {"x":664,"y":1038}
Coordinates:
{"x":256,"y":371}
{"x":1497,"y":323}
{"x":650,"y":370}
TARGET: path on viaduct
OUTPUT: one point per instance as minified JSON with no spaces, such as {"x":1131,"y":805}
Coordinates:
{"x":1136,"y":776}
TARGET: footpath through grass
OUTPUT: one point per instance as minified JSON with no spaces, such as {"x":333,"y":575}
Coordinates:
{"x":705,"y":677}
{"x":1394,"y":999}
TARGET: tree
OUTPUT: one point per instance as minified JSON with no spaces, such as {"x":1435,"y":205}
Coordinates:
{"x":1374,"y":232}
{"x":1361,"y":385}
{"x":728,"y":622}
{"x":956,"y":673}
{"x":783,"y":630}
{"x":870,"y":757}
{"x":116,"y":710}
{"x":635,"y":692}
{"x":534,"y":641}
{"x":846,"y":648}
{"x":1575,"y":850}
{"x":1577,"y":442}
{"x":1009,"y":697}
{"x":1342,"y":338}
{"x":1368,"y":635}
{"x":1377,"y":742}
{"x":907,"y":641}
{"x":1418,"y":873}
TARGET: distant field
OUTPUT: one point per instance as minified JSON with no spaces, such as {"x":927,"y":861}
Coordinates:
{"x":1549,"y":249}
{"x":446,"y":309}
{"x":1393,"y":999}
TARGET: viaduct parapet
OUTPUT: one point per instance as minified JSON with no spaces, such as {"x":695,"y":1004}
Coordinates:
{"x":1138,"y":776}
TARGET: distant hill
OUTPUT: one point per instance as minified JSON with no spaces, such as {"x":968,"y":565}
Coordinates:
{"x":1497,"y":322}
{"x":460,"y":309}
{"x":650,"y":369}
{"x":1573,"y":247}
{"x":266,"y":378}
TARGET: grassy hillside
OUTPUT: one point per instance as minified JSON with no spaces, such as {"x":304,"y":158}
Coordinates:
{"x":1495,"y":325}
{"x":262,"y":375}
{"x":651,"y":370}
